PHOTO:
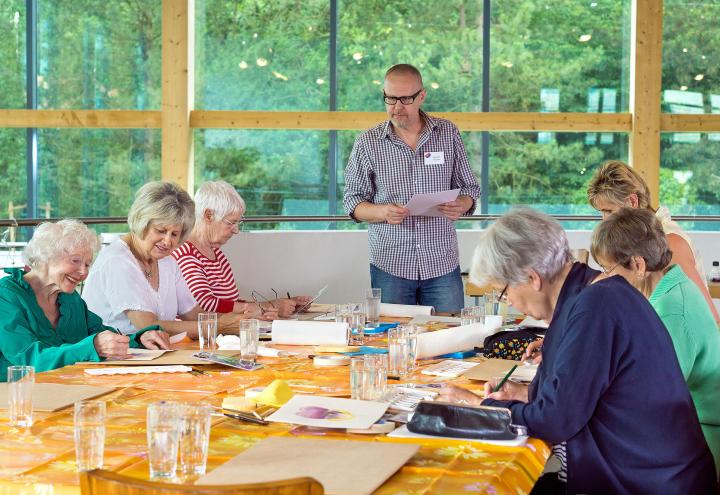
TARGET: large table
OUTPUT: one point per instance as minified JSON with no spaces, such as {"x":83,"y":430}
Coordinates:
{"x":41,"y":460}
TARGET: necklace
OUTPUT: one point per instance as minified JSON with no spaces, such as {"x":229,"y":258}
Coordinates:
{"x":147,"y":268}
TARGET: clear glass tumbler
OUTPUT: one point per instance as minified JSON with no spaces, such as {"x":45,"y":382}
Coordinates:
{"x":249,"y":341}
{"x":194,"y":439}
{"x":207,"y":331}
{"x":372,"y":305}
{"x":89,"y":419}
{"x":20,"y":387}
{"x":163,"y":426}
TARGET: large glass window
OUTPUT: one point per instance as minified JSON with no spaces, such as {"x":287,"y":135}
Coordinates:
{"x":276,"y":172}
{"x":442,"y":38}
{"x":690,"y":174}
{"x":559,"y":56}
{"x":262,"y":55}
{"x":94,"y":172}
{"x":99,"y":54}
{"x":12,"y":54}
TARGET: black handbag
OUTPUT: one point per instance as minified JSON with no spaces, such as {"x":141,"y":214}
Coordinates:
{"x":457,"y":421}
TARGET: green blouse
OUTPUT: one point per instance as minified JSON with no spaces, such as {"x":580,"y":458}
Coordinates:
{"x":28,"y":338}
{"x":695,"y":335}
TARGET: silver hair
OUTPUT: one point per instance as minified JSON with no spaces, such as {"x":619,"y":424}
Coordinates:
{"x":161,"y":203}
{"x":521,"y":240}
{"x":220,"y":198}
{"x":52,"y":241}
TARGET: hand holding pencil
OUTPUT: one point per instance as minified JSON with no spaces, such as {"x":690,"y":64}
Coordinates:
{"x":504,"y":389}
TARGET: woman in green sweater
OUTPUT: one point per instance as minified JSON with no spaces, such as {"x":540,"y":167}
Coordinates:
{"x":631,"y":243}
{"x":43,"y":322}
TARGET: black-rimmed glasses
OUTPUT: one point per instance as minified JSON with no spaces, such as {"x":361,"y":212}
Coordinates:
{"x":255,"y":294}
{"x":405,"y":100}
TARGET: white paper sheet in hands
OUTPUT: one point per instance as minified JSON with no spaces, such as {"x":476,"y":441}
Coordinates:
{"x":404,"y":310}
{"x":462,"y":338}
{"x":133,"y":370}
{"x":292,"y":332}
{"x":426,"y":204}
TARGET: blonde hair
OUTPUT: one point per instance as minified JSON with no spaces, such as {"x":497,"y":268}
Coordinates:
{"x":615,"y":181}
{"x":632,"y":232}
{"x":161,"y":203}
{"x":51,"y":241}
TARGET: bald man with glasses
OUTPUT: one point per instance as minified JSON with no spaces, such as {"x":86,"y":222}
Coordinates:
{"x":413,"y":259}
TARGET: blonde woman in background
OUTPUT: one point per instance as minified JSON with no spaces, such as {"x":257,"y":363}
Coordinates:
{"x":616,"y":185}
{"x":135,"y":282}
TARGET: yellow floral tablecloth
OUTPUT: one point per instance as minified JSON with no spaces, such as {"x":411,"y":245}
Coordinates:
{"x":41,"y":460}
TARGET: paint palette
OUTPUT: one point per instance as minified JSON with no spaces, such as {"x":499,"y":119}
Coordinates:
{"x":406,"y":399}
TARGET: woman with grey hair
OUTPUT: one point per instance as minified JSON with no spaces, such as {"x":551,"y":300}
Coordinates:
{"x":632,"y":243}
{"x":218,"y":216}
{"x":43,"y":322}
{"x":609,"y":388}
{"x":135,"y":283}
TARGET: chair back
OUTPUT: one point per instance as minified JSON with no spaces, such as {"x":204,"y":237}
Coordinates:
{"x":102,"y":482}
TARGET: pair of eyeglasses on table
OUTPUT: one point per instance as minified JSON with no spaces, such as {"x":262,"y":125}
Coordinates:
{"x":257,"y":295}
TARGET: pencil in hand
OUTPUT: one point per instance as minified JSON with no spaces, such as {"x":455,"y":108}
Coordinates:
{"x":505,"y":378}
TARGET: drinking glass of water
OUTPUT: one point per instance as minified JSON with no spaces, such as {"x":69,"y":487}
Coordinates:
{"x":372,"y":305}
{"x":89,"y":419}
{"x":163,"y":425}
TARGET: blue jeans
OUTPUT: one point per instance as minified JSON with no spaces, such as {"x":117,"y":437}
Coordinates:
{"x":444,"y":293}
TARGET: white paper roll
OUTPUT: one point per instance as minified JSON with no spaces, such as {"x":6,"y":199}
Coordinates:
{"x":404,"y":310}
{"x":458,"y":339}
{"x":292,"y":332}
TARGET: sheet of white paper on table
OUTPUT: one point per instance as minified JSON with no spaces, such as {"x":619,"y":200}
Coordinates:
{"x":292,"y":332}
{"x":426,"y":204}
{"x":404,"y":310}
{"x":174,"y":339}
{"x":133,"y":370}
{"x":144,"y":354}
{"x":329,"y":412}
{"x":457,"y":339}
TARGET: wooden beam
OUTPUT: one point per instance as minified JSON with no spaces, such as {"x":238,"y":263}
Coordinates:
{"x":104,"y":119}
{"x":689,"y":123}
{"x":178,"y":44}
{"x":645,"y":91}
{"x":491,"y":121}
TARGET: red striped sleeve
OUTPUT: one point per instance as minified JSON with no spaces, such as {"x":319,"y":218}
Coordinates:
{"x":210,"y":281}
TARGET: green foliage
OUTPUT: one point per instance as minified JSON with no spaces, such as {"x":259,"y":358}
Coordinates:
{"x":274,"y":55}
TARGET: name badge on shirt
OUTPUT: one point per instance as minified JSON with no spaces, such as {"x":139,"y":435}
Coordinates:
{"x":434,"y":157}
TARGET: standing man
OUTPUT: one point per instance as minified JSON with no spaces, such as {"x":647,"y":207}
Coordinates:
{"x":413,"y":259}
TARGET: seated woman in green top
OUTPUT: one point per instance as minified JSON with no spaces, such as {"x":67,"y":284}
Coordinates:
{"x":631,"y":243}
{"x":43,"y":322}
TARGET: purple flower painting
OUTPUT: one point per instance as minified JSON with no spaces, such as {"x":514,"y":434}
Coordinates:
{"x":317,"y":412}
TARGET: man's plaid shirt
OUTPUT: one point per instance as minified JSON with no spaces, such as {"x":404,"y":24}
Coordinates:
{"x":383,"y":169}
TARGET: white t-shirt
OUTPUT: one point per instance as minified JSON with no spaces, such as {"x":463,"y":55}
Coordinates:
{"x":116,"y":284}
{"x":671,"y":227}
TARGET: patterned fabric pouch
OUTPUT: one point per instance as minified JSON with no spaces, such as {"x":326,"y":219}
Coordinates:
{"x":508,"y":344}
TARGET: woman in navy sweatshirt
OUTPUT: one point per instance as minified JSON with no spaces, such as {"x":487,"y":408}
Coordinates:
{"x":609,"y":394}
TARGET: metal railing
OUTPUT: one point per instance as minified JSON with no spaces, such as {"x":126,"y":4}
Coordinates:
{"x":30,"y":222}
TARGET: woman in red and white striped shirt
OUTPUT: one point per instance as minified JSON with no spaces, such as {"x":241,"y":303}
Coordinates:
{"x":218,"y":216}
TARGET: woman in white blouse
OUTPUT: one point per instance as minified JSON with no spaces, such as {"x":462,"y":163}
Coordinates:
{"x":134,"y":283}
